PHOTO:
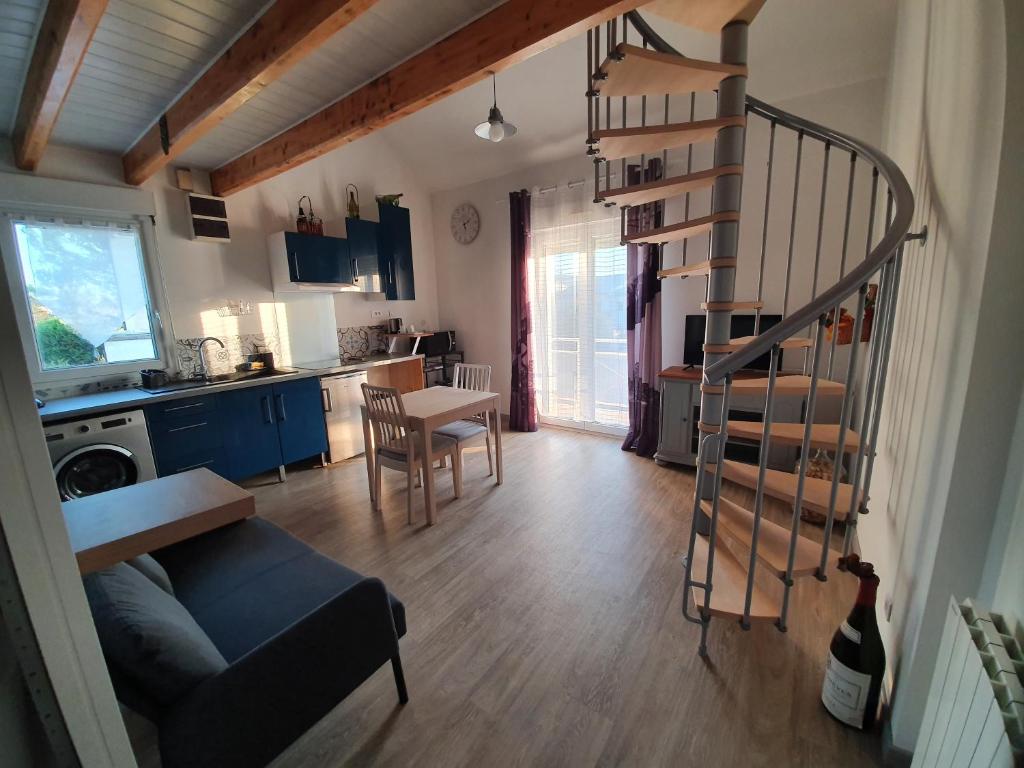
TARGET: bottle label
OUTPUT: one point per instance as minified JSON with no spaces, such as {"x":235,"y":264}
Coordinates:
{"x":851,"y":633}
{"x":845,"y":692}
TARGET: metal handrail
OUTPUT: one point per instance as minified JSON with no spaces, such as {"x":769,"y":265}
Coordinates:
{"x":886,"y":248}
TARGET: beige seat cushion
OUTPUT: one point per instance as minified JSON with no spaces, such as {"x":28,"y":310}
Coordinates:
{"x":460,"y":431}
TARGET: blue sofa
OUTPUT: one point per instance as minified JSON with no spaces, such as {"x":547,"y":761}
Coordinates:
{"x":299,"y":633}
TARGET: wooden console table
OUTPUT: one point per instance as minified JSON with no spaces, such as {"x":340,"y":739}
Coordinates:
{"x":111,"y":527}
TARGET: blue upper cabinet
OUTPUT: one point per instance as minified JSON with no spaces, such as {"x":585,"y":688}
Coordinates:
{"x":302,"y":262}
{"x":394,"y":250}
{"x":362,"y":245}
{"x":300,"y":419}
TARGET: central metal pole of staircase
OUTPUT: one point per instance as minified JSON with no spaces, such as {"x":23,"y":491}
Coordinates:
{"x":732,"y":94}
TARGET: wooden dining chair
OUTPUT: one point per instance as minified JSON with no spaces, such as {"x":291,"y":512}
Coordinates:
{"x":397,"y":447}
{"x":464,"y":431}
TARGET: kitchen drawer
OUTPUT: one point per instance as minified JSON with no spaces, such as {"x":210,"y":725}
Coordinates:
{"x":211,"y":457}
{"x":180,"y":435}
{"x":185,"y":406}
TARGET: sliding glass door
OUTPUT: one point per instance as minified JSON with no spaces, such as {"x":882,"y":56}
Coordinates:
{"x":577,"y":277}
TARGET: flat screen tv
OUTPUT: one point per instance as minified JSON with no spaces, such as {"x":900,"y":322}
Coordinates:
{"x":742,"y":325}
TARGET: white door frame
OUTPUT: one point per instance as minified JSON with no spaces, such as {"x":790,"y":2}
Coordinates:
{"x":47,"y":573}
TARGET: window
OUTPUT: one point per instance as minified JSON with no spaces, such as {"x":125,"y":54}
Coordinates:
{"x":85,"y":306}
{"x":577,"y":275}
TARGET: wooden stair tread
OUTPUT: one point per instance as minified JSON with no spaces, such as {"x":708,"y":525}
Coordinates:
{"x":651,"y":139}
{"x":782,"y":485}
{"x":638,"y":194}
{"x":697,"y":268}
{"x":682,"y":230}
{"x":707,"y":16}
{"x":740,"y":342}
{"x":639,"y":71}
{"x":784,"y":385}
{"x":772,"y":541}
{"x":720,"y":306}
{"x":824,"y":436}
{"x":728,"y":585}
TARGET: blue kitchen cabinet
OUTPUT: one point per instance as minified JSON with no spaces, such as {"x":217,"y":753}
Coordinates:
{"x":250,"y":431}
{"x":187,"y":434}
{"x":394,"y":252}
{"x":362,"y":246}
{"x":300,"y":419}
{"x":317,"y":258}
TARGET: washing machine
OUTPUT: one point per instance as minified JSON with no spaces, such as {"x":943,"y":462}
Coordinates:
{"x":100,"y":454}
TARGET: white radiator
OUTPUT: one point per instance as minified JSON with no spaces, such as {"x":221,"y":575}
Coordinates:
{"x":975,"y":712}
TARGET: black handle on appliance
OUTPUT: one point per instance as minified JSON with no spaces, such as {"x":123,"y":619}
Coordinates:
{"x":281,"y":413}
{"x":268,"y":416}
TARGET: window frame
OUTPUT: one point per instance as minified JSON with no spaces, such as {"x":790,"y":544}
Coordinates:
{"x":159,"y":317}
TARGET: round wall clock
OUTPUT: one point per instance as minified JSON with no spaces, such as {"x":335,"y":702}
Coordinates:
{"x":465,"y":224}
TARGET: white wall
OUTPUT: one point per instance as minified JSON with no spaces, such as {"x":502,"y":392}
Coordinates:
{"x":954,"y":383}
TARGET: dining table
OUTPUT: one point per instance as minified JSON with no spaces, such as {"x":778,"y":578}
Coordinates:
{"x":426,"y":410}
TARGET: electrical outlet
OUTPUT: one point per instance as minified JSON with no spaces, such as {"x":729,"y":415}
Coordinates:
{"x":377,"y":314}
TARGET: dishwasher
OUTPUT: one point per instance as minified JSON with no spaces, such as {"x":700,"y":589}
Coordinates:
{"x":342,"y":396}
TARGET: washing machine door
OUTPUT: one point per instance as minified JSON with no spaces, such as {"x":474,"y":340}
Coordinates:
{"x":95,"y":469}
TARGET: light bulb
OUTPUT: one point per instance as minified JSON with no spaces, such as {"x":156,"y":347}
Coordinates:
{"x":496,"y":132}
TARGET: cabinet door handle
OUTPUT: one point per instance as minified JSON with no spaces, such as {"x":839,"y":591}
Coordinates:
{"x":187,"y":426}
{"x":328,"y":403}
{"x":183,"y":407}
{"x":194,"y":466}
{"x":268,"y":416}
{"x":295,"y":262}
{"x":281,"y":413}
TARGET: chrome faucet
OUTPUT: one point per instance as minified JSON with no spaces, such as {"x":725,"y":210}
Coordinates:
{"x":201,"y":372}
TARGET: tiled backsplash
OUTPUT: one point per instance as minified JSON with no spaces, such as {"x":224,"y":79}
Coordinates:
{"x":236,"y":349}
{"x":361,"y":340}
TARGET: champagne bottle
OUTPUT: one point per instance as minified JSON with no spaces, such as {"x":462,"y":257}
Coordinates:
{"x":856,"y":657}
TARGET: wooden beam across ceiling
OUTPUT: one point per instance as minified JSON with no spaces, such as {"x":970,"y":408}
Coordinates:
{"x":288,"y":31}
{"x":512,"y":32}
{"x":64,"y":36}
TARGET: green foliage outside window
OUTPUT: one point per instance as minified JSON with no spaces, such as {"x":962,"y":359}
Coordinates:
{"x":60,"y":346}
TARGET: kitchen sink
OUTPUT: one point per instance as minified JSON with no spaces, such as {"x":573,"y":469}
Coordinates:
{"x":222,"y":378}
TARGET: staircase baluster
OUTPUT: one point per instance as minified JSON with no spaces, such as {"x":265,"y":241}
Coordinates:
{"x":723,"y":436}
{"x":842,"y":258}
{"x":856,"y":467}
{"x":762,"y":466}
{"x":664,"y":152}
{"x":817,"y":245}
{"x":882,"y":378}
{"x":590,"y":92}
{"x":805,"y":452}
{"x":792,"y":220}
{"x":702,"y":461}
{"x":764,"y":229}
{"x":689,"y":164}
{"x":844,"y":424}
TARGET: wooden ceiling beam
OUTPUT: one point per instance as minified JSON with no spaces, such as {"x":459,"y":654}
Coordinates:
{"x":285,"y":34}
{"x":512,"y":32}
{"x":64,"y":37}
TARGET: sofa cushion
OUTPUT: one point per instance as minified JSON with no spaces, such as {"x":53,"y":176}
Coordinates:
{"x":148,"y":635}
{"x":152,"y":570}
{"x":249,"y":581}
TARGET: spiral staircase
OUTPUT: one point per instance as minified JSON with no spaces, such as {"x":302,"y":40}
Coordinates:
{"x":740,"y":564}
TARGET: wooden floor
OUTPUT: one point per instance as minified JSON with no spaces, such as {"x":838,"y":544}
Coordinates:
{"x":545,"y":626}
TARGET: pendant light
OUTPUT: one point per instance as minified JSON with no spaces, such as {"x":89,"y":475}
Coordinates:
{"x":495,"y":128}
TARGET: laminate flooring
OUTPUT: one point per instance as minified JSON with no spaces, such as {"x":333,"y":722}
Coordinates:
{"x":545,"y":625}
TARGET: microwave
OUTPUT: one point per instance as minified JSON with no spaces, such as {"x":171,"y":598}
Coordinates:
{"x":441,"y":343}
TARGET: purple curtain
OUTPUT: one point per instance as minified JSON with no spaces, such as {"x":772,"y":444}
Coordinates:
{"x":523,"y":407}
{"x":643,"y":320}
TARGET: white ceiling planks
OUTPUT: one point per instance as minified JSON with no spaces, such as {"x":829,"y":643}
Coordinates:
{"x":390,"y":32}
{"x":19,"y":20}
{"x":144,"y":54}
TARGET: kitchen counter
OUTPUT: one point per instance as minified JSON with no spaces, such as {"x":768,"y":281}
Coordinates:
{"x":121,"y":399}
{"x":329,"y":368}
